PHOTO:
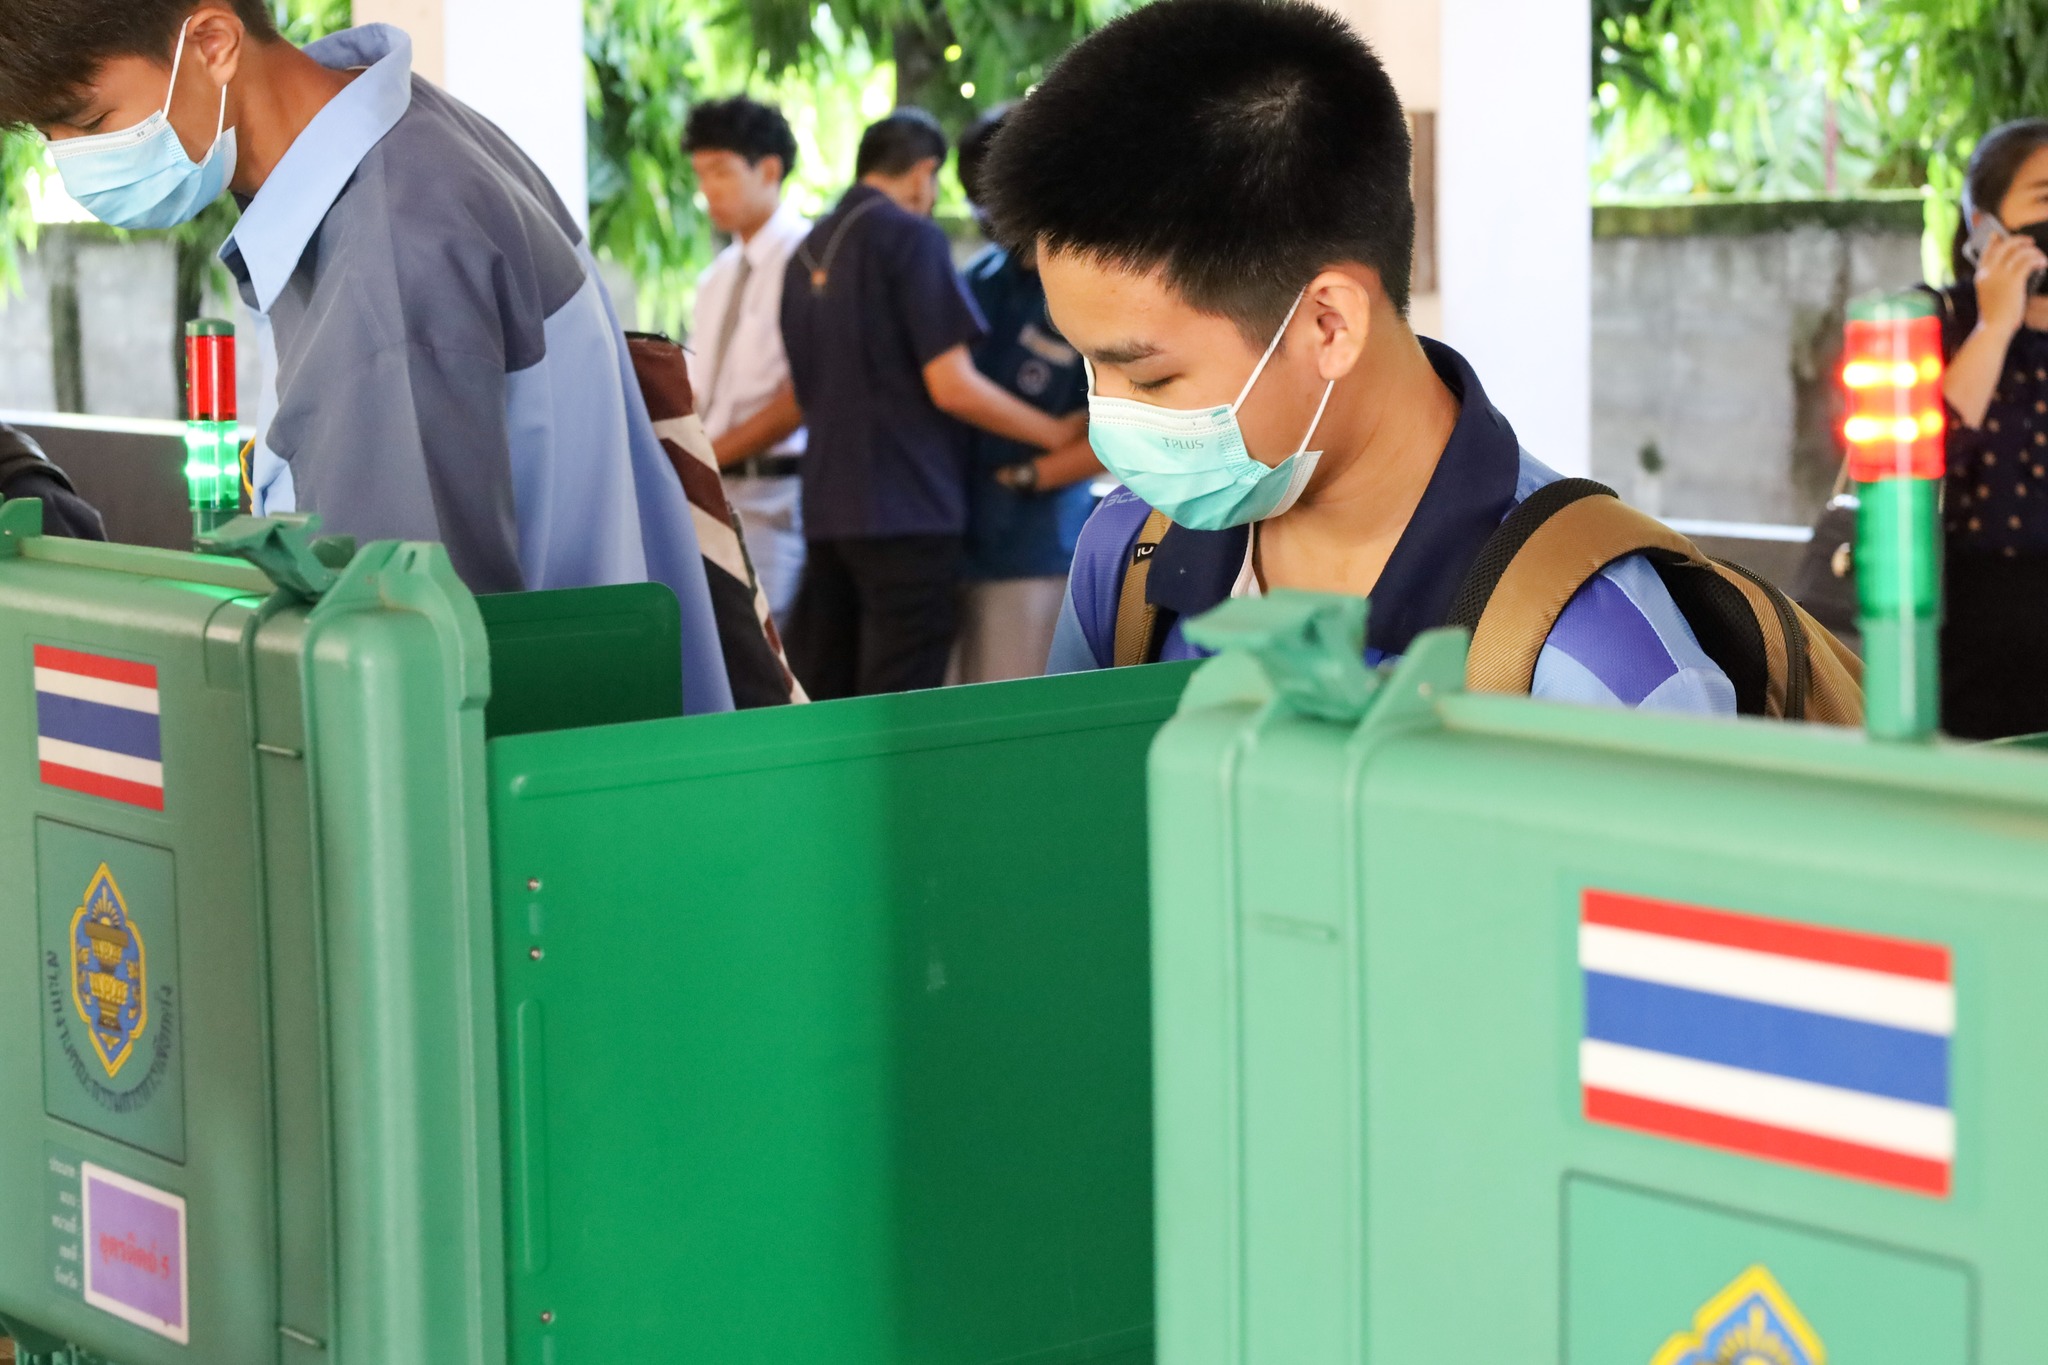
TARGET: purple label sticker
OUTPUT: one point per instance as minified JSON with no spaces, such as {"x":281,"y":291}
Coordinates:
{"x":135,"y":1253}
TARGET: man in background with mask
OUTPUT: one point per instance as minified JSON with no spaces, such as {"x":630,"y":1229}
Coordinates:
{"x":1234,"y":264}
{"x":447,"y":364}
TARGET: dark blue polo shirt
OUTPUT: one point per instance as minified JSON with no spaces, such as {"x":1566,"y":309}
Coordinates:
{"x":1012,"y":534}
{"x":1620,"y":642}
{"x":882,"y":460}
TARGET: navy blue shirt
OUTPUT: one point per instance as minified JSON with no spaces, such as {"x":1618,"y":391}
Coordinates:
{"x":1012,"y":534}
{"x":870,"y":299}
{"x":1620,"y":642}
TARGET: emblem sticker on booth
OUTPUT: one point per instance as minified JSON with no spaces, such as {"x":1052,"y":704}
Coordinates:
{"x":1799,"y":1043}
{"x":98,"y":726}
{"x":113,"y":1047}
{"x":134,"y":1251}
{"x":1751,"y":1320}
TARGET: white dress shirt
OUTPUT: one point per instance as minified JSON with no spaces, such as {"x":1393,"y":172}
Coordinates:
{"x":732,"y":387}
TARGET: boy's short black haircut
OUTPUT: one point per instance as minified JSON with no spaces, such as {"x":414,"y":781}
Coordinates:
{"x":1239,"y":145}
{"x":893,"y":145}
{"x":974,"y":147}
{"x":50,"y":50}
{"x":748,"y":127}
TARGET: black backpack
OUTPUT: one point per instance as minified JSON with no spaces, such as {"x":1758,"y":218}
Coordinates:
{"x":25,"y":472}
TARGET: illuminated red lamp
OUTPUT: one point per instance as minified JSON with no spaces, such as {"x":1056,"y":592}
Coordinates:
{"x":1891,"y":375}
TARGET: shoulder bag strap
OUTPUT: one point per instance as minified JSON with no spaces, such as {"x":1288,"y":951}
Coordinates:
{"x":1137,"y":620}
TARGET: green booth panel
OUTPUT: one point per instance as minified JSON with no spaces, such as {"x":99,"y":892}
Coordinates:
{"x":826,"y":1030}
{"x":376,"y":1008}
{"x":1489,"y":1029}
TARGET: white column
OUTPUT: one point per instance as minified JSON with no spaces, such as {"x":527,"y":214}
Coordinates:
{"x":1406,"y":36}
{"x":519,"y":63}
{"x":1517,"y":225}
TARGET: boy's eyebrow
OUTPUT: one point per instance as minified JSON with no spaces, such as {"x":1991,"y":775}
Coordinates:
{"x":1124,"y":353}
{"x":68,"y":113}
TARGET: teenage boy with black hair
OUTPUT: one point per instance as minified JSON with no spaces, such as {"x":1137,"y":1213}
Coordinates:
{"x":448,"y":364}
{"x":1234,"y":262}
{"x":743,"y":152}
{"x":878,"y":328}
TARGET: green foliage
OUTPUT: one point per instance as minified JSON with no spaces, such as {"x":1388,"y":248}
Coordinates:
{"x":831,"y":66}
{"x":1736,"y":95}
{"x":649,"y":61}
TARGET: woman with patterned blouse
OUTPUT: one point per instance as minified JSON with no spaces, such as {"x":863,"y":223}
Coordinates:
{"x":1995,"y":645}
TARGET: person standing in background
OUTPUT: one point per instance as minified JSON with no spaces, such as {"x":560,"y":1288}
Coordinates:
{"x":1025,"y":508}
{"x":448,"y":365}
{"x":878,"y":328}
{"x":743,"y":153}
{"x":1994,"y":647}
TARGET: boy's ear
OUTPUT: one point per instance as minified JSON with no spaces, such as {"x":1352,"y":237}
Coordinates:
{"x":218,"y":38}
{"x":1340,"y":304}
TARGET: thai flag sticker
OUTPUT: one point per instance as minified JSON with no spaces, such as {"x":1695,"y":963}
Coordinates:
{"x":1819,"y":1047}
{"x":97,"y":726}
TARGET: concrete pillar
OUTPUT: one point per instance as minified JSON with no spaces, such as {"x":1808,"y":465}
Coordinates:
{"x":1516,"y":213}
{"x":1406,"y":35}
{"x":1498,"y":90}
{"x":517,"y":62}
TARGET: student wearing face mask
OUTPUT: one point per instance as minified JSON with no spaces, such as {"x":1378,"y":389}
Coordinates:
{"x":1234,"y":266}
{"x":448,"y":365}
{"x":1995,"y":641}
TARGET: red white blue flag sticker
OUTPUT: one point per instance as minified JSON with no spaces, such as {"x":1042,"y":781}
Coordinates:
{"x":1818,"y":1047}
{"x":98,"y":727}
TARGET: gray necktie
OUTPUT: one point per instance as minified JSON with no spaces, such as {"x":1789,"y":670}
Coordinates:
{"x":727,"y":328}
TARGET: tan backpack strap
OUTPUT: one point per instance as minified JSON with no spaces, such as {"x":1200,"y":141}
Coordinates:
{"x":1558,"y":559}
{"x":1136,"y":618}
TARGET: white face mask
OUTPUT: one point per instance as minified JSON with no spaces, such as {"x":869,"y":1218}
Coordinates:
{"x":1192,"y":463}
{"x":140,"y":177}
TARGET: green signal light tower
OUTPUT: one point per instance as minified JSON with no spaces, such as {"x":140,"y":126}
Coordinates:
{"x":213,"y":461}
{"x":1896,"y":429}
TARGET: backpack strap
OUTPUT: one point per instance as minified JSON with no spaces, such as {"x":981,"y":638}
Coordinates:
{"x":1528,"y":572}
{"x":1138,"y":633}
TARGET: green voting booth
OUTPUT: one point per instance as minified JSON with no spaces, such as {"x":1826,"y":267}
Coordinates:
{"x":1489,"y":1030}
{"x":389,"y":976}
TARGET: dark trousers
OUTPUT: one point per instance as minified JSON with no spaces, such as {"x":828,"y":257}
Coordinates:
{"x":875,"y":615}
{"x":1994,"y":647}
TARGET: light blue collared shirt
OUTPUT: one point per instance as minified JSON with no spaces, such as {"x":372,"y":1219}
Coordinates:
{"x":442,"y":361}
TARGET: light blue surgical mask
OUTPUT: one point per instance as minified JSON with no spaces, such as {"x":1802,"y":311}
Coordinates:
{"x":1192,"y":464}
{"x":141,"y":177}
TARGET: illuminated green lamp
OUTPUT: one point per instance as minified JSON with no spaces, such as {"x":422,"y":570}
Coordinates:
{"x":213,"y":460}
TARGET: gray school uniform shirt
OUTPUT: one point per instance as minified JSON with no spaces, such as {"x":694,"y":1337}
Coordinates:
{"x":445,"y":363}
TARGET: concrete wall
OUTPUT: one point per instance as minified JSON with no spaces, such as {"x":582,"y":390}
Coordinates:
{"x":128,"y":326}
{"x":1717,"y":342}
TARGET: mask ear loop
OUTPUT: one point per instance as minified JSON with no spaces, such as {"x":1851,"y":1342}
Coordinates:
{"x":220,"y":123}
{"x":1317,"y":420}
{"x":1271,"y":348}
{"x":177,"y":61}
